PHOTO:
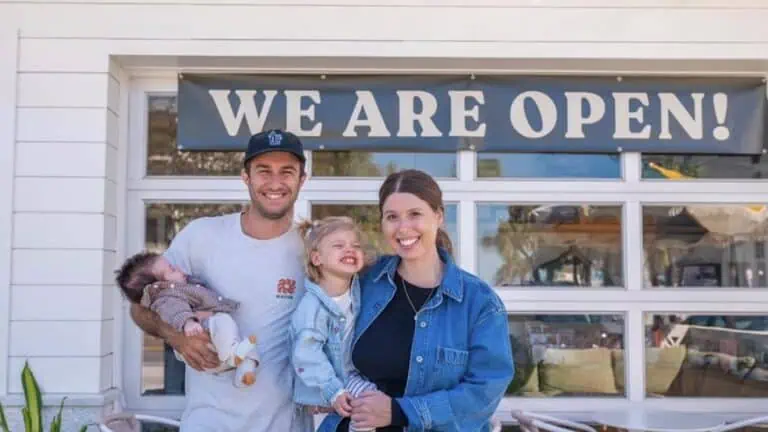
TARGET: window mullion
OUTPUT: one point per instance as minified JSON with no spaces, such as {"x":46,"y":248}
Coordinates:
{"x":467,"y":226}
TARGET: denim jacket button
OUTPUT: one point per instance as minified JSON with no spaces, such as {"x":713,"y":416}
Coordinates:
{"x":423,"y":324}
{"x":419,"y":359}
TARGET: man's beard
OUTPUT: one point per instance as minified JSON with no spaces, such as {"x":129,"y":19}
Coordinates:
{"x":269,"y":214}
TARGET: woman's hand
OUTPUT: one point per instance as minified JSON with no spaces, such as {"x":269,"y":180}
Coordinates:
{"x":371,"y":409}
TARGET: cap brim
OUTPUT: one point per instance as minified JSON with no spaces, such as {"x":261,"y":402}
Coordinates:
{"x":299,"y":155}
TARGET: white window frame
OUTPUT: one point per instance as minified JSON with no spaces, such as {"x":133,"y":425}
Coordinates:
{"x":632,"y":301}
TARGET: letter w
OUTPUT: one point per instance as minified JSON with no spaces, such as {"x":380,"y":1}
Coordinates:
{"x":247,"y":109}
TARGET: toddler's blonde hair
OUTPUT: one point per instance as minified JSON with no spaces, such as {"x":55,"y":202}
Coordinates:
{"x":313,"y":232}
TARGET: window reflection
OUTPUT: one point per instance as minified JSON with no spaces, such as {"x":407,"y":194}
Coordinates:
{"x":161,"y":373}
{"x":367,"y":215}
{"x":371,"y":164}
{"x":164,"y":158}
{"x":707,"y":355}
{"x":567,"y":355}
{"x":555,"y":245}
{"x":705,"y":245}
{"x":681,"y":167}
{"x":548,"y":165}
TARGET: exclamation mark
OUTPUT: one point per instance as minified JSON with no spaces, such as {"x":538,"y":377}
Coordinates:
{"x":721,"y":133}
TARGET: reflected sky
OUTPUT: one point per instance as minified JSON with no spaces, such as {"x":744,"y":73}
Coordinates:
{"x":549,"y":165}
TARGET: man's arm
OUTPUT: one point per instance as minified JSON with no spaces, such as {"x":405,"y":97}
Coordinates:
{"x":195,"y":349}
{"x":151,"y":323}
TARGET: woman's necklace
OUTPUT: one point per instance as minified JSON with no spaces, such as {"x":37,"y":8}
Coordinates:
{"x":410,"y":302}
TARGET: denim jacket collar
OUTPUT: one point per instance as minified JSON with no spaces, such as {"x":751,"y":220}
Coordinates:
{"x":452,"y":284}
{"x":328,"y":302}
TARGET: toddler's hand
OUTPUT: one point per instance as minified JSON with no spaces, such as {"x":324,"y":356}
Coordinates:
{"x":192,"y":327}
{"x":342,"y":405}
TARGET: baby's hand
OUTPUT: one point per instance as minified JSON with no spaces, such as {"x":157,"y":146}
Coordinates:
{"x":192,"y":327}
{"x":202,"y":315}
{"x":342,"y":405}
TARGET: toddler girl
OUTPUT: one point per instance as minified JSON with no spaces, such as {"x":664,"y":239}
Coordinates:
{"x":324,"y":321}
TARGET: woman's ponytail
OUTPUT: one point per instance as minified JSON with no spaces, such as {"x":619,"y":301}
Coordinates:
{"x":444,"y":241}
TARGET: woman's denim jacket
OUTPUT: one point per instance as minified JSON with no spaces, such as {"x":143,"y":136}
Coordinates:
{"x":461,"y":359}
{"x":317,"y":352}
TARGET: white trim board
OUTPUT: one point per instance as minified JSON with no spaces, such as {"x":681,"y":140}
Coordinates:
{"x":9,"y":43}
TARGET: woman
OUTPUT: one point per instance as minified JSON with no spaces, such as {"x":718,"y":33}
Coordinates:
{"x":432,"y":337}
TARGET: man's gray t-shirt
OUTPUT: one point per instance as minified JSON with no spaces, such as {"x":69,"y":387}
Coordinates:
{"x":266,"y":277}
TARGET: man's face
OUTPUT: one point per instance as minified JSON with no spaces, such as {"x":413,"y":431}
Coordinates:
{"x":273,"y":181}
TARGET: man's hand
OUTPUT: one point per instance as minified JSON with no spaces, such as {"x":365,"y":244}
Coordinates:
{"x":342,"y":405}
{"x":196,"y":350}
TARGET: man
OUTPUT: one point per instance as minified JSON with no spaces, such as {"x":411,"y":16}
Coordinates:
{"x":254,"y":257}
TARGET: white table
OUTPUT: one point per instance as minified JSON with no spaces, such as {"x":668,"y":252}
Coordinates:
{"x":656,"y":420}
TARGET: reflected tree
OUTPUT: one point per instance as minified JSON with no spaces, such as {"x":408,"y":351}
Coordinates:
{"x":164,"y":158}
{"x":516,"y":243}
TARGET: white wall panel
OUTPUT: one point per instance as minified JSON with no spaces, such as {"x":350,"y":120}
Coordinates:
{"x":60,"y":194}
{"x":61,"y":302}
{"x":62,"y":338}
{"x":63,"y":90}
{"x":66,"y":267}
{"x":62,"y":159}
{"x":48,"y":371}
{"x":386,"y":23}
{"x":62,"y":124}
{"x":63,"y":231}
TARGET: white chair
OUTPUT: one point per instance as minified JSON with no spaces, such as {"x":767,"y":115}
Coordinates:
{"x":533,"y":422}
{"x":741,"y":423}
{"x":127,"y":422}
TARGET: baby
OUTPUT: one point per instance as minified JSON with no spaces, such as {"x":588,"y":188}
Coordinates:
{"x":323,"y":323}
{"x":149,"y":279}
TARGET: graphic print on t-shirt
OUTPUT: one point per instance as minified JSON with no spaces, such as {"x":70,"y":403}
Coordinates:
{"x":286,"y":288}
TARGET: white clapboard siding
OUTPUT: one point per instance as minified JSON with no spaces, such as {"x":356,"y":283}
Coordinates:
{"x":634,"y":4}
{"x":382,"y":23}
{"x":60,"y":194}
{"x":63,"y":90}
{"x":62,"y":302}
{"x":70,"y":159}
{"x":66,"y":375}
{"x":62,"y":267}
{"x":62,"y":124}
{"x":64,"y":231}
{"x":61,"y":338}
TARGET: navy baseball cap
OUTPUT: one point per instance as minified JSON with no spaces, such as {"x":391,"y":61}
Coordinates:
{"x":274,"y":140}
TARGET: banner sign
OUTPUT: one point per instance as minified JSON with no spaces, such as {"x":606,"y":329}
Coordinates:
{"x":487,"y":113}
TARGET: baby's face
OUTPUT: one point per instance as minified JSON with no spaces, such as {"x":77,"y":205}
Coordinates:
{"x":163,"y":270}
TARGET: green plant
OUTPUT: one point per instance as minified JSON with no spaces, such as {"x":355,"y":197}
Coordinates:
{"x":33,"y":409}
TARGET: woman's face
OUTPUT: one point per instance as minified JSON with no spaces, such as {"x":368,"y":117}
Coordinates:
{"x":410,"y":225}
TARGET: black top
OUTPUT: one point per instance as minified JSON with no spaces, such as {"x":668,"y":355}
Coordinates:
{"x":383,"y":352}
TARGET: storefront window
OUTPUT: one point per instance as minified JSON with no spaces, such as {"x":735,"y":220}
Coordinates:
{"x":550,"y":245}
{"x":370,"y":164}
{"x":367,"y":215}
{"x":165,"y":159}
{"x":548,"y":165}
{"x":701,"y":245}
{"x":682,"y":167}
{"x":161,"y":373}
{"x":706,"y":355}
{"x":567,"y":355}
